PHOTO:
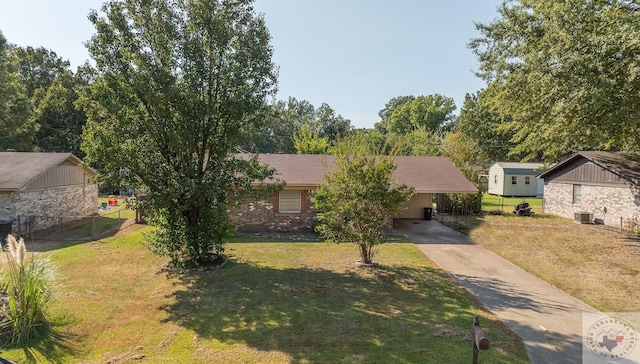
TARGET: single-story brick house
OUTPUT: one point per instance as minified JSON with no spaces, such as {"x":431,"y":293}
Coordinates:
{"x":515,"y":179}
{"x":291,"y":209}
{"x":604,"y":184}
{"x":39,"y":188}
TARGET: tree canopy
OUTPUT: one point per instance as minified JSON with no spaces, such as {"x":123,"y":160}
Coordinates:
{"x":180,"y":86}
{"x":481,"y":131}
{"x":39,"y":92}
{"x":566,"y":72}
{"x":289,"y":120}
{"x":359,"y":199}
{"x":404,"y":114}
{"x":16,"y":129}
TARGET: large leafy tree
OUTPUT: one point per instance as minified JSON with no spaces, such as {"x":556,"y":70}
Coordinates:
{"x":402,"y":115}
{"x":567,"y":72}
{"x":52,"y":90}
{"x":59,"y":120}
{"x":290,"y":119}
{"x":39,"y":67}
{"x":17,"y":130}
{"x":307,"y":141}
{"x":180,"y":85}
{"x":359,"y":199}
{"x":481,"y":131}
{"x":391,"y":106}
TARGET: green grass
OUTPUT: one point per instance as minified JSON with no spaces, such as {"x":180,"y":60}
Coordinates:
{"x":579,"y":259}
{"x":105,"y":222}
{"x":493,"y":203}
{"x":297,"y":302}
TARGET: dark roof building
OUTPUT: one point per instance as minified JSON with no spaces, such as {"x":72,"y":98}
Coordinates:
{"x":425,"y":174}
{"x":292,"y":209}
{"x":41,"y":188}
{"x":19,"y":169}
{"x":602,"y":185}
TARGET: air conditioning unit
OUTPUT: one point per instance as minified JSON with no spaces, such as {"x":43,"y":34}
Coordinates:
{"x":582,"y":217}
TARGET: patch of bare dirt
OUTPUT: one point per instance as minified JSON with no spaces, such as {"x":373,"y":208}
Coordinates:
{"x":448,"y":332}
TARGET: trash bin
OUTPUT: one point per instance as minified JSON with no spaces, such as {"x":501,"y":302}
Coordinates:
{"x":5,"y":229}
{"x":428,"y":211}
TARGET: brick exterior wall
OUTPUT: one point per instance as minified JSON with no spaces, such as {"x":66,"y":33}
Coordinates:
{"x":264,"y":216}
{"x":68,"y":202}
{"x":608,"y":204}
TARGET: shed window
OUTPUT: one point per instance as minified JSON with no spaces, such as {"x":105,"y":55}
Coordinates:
{"x":527,"y":180}
{"x":289,"y":201}
{"x":495,"y":178}
{"x":514,"y":180}
{"x":577,"y":194}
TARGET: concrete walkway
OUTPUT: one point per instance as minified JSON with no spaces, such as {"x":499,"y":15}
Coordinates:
{"x":548,"y":320}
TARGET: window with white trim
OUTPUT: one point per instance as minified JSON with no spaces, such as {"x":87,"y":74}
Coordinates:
{"x":514,"y":180}
{"x":577,"y":194}
{"x":527,"y":180}
{"x":495,"y":178}
{"x":290,"y":201}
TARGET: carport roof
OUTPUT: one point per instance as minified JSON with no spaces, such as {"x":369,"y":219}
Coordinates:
{"x":425,"y":174}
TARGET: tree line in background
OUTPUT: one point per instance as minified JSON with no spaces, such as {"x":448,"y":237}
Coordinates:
{"x":562,"y":76}
{"x":179,"y":87}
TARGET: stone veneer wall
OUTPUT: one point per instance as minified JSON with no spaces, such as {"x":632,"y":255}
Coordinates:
{"x":7,"y":208}
{"x":46,"y":207}
{"x":607,"y":203}
{"x":260,"y":216}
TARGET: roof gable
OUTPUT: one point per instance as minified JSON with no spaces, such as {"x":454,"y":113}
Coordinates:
{"x":18,"y":169}
{"x":623,"y":164}
{"x":425,"y":174}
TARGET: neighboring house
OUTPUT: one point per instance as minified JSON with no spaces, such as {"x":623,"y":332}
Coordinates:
{"x":515,"y":179}
{"x":604,"y":184}
{"x":291,"y":209}
{"x":40,"y":188}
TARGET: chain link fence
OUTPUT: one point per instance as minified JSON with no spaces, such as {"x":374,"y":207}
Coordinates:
{"x":73,"y":228}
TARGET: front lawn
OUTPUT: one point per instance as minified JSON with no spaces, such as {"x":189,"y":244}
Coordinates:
{"x":492,"y":203}
{"x":295,"y":302}
{"x":590,"y":262}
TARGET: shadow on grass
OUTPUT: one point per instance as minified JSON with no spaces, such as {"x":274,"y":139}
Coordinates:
{"x":53,"y":347}
{"x":388,"y":314}
{"x":543,"y":346}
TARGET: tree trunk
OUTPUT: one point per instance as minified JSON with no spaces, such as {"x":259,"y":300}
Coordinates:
{"x":365,"y":254}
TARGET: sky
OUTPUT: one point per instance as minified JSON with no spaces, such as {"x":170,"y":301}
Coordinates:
{"x":354,"y":55}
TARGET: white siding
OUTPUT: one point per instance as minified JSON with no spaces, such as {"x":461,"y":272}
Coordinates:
{"x":496,"y":180}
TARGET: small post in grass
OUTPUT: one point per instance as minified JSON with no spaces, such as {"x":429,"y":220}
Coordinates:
{"x":480,"y":339}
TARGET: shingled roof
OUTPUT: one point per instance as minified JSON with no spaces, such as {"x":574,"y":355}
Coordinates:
{"x":624,"y":164}
{"x":425,"y":174}
{"x":18,"y":169}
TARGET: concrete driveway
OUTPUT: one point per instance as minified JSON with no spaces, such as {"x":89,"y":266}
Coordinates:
{"x":548,"y":320}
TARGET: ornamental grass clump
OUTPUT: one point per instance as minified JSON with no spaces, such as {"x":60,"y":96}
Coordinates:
{"x":25,"y":294}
